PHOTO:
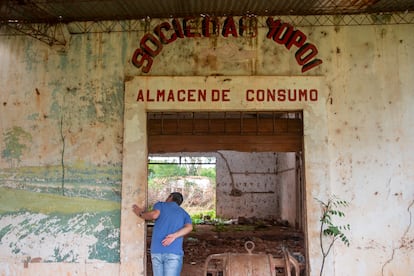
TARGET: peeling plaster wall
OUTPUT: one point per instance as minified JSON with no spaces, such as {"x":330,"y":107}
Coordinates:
{"x":370,"y":138}
{"x":246,"y":185}
{"x":358,"y":137}
{"x":286,"y":178}
{"x":254,"y":184}
{"x":61,"y":140}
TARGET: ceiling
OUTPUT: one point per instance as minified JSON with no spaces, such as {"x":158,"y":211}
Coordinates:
{"x":55,"y":11}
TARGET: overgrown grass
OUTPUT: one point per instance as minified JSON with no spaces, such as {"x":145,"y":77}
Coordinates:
{"x":201,"y":216}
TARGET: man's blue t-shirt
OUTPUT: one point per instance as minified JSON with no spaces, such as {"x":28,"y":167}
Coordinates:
{"x":171,"y":219}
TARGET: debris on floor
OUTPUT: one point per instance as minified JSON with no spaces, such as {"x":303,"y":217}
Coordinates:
{"x":268,"y":238}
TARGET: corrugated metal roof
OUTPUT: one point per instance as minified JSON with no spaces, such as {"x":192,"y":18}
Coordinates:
{"x":52,"y":11}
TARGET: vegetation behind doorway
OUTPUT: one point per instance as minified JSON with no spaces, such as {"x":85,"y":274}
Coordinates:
{"x":193,"y":176}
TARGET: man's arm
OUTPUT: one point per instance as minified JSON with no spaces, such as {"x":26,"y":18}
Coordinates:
{"x":150,"y":215}
{"x":180,"y":233}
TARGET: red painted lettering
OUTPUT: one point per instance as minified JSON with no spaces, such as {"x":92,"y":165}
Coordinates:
{"x":177,"y":28}
{"x":147,"y":48}
{"x":229,"y":27}
{"x":273,"y":27}
{"x":215,"y":95}
{"x":170,"y":96}
{"x":305,"y":53}
{"x":210,"y":26}
{"x":188,"y":27}
{"x":303,"y":94}
{"x":202,"y":95}
{"x":159,"y":31}
{"x":249,"y":95}
{"x":225,"y":95}
{"x":283,"y":33}
{"x":313,"y":95}
{"x":190,"y":96}
{"x":144,"y":57}
{"x":297,"y":39}
{"x":149,"y":99}
{"x":181,"y":95}
{"x":260,"y":95}
{"x":140,"y":96}
{"x":248,"y":26}
{"x":166,"y":33}
{"x":281,"y":95}
{"x":271,"y":95}
{"x":311,"y":65}
{"x":160,"y":95}
{"x":292,"y":96}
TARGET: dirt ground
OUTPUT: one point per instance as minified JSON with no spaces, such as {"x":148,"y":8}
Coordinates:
{"x":217,"y":239}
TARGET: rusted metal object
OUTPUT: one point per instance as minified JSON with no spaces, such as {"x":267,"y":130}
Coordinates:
{"x":290,"y":263}
{"x":247,"y":264}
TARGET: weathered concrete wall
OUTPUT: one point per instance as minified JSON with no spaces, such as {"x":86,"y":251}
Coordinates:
{"x":19,"y":267}
{"x":370,"y":136}
{"x":246,"y":185}
{"x":289,"y":183}
{"x":61,"y":141}
{"x":258,"y":185}
{"x":358,"y":136}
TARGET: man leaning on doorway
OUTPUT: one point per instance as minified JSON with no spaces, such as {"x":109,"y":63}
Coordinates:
{"x":172,"y":223}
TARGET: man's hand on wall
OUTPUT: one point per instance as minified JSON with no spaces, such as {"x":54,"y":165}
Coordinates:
{"x":137,"y":210}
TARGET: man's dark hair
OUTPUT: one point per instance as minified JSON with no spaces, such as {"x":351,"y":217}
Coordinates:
{"x":177,"y":197}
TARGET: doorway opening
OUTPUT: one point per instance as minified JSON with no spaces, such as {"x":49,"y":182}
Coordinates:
{"x":259,"y":184}
{"x":193,"y":175}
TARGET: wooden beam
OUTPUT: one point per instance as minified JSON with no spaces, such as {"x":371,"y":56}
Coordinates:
{"x":206,"y":143}
{"x":224,"y":126}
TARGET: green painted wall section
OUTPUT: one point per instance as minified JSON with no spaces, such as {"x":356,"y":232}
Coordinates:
{"x":61,"y":148}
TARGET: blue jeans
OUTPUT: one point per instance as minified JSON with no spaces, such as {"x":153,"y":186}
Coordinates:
{"x":166,"y":264}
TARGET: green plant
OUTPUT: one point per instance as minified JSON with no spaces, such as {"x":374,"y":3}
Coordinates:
{"x":201,"y":217}
{"x":219,"y":225}
{"x":209,"y":214}
{"x":329,"y":231}
{"x":194,"y":227}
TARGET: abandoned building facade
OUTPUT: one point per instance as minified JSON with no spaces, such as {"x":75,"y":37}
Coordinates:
{"x":329,"y":102}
